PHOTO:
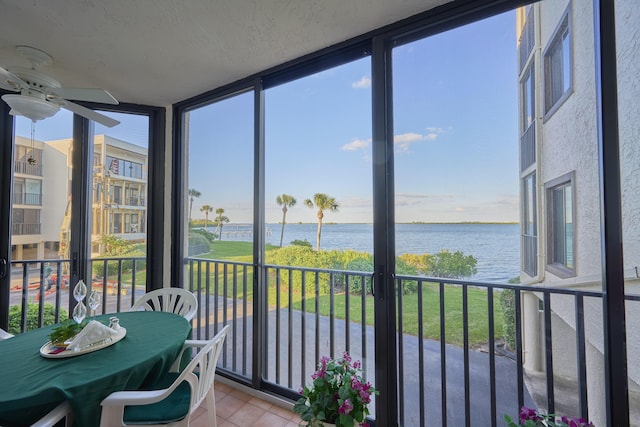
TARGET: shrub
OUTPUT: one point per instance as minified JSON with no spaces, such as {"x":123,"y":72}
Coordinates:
{"x":304,"y":242}
{"x":405,"y":269}
{"x":508,"y":304}
{"x":200,"y":235}
{"x":359,"y":264}
{"x":48,"y":316}
{"x":454,"y":265}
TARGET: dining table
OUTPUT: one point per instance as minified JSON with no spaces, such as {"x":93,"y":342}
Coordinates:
{"x":33,"y":384}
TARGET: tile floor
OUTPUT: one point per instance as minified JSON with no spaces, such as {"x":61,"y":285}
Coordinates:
{"x":236,"y":408}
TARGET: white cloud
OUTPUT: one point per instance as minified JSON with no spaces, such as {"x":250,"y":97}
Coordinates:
{"x":363,"y":83}
{"x":357,"y":144}
{"x":404,"y":140}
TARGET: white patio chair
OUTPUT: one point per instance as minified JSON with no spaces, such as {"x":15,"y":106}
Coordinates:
{"x":4,"y":334}
{"x":62,"y":411}
{"x":174,"y":300}
{"x":178,"y":396}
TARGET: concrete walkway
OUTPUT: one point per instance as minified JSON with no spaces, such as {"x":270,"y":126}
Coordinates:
{"x":293,"y":365}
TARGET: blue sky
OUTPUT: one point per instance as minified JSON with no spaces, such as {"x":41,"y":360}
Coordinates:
{"x":455,"y":126}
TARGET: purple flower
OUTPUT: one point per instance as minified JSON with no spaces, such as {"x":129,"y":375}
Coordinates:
{"x":346,"y":407}
{"x":529,"y":414}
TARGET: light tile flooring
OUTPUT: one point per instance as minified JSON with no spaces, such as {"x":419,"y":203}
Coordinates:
{"x":236,"y":408}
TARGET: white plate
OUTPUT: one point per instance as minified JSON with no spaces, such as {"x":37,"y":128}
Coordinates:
{"x":45,"y":349}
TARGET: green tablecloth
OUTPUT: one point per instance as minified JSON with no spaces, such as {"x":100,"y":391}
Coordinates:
{"x":32,"y":384}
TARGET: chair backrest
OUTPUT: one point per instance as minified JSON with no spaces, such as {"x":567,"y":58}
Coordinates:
{"x":173,"y":300}
{"x":4,"y":334}
{"x":204,"y":363}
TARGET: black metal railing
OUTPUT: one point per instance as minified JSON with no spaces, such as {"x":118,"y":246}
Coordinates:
{"x":39,"y":289}
{"x":449,"y":373}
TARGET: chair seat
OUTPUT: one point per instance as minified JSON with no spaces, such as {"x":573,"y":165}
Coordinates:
{"x":173,"y":408}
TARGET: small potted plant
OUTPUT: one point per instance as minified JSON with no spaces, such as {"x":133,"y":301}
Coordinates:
{"x":338,"y":395}
{"x":532,"y":418}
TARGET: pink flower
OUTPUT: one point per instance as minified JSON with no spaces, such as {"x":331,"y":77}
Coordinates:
{"x":529,"y":414}
{"x":346,"y":407}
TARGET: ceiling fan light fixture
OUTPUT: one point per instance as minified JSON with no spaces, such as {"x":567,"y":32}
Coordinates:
{"x":32,"y":108}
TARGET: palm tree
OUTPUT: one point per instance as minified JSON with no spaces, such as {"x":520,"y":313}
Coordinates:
{"x":206,"y":209}
{"x":286,"y":201}
{"x":220,"y":219}
{"x":192,"y":195}
{"x":322,"y":202}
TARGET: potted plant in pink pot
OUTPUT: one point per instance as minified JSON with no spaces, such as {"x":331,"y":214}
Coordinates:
{"x":338,"y":395}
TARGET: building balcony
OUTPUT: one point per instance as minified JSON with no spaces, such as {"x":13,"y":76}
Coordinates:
{"x":25,"y":229}
{"x":27,"y":168}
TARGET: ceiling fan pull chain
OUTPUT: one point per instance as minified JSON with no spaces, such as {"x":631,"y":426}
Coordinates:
{"x":31,"y":160}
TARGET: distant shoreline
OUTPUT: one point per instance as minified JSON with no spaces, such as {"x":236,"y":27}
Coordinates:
{"x":370,"y":223}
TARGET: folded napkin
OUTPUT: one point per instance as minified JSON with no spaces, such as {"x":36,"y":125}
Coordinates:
{"x":94,"y":333}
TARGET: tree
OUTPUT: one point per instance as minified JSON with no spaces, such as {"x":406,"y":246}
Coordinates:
{"x":206,"y":209}
{"x":220,"y":219}
{"x":322,"y":202}
{"x":286,"y":201}
{"x":193,"y":194}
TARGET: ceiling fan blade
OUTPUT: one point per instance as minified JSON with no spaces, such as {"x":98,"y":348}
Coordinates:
{"x":89,"y":114}
{"x":82,"y":94}
{"x":10,"y":81}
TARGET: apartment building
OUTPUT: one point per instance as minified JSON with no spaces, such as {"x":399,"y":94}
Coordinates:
{"x":42,"y":196}
{"x":560,"y":187}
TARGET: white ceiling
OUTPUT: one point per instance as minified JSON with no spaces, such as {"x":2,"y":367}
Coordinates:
{"x":158,"y":52}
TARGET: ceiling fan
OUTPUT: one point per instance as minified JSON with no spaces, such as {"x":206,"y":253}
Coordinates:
{"x":41,"y":96}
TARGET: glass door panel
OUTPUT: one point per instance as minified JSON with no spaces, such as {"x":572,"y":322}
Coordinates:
{"x":41,"y":200}
{"x":319,"y":223}
{"x":457,"y":212}
{"x":218,"y":216}
{"x":118,"y":213}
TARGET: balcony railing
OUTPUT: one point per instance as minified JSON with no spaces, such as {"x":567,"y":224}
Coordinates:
{"x":449,"y":372}
{"x":20,"y":229}
{"x":27,"y":168}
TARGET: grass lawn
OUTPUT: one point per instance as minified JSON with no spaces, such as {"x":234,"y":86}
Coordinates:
{"x":477,"y":302}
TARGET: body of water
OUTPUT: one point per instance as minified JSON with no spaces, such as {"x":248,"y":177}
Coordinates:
{"x":496,"y":247}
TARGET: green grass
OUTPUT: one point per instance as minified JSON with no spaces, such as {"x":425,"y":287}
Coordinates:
{"x":232,"y":251}
{"x":478,"y":325}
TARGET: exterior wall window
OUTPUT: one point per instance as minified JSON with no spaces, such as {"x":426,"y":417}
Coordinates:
{"x":561,"y":226}
{"x":528,"y":112}
{"x":557,"y":66}
{"x":27,"y":192}
{"x":528,"y":98}
{"x":529,"y":226}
